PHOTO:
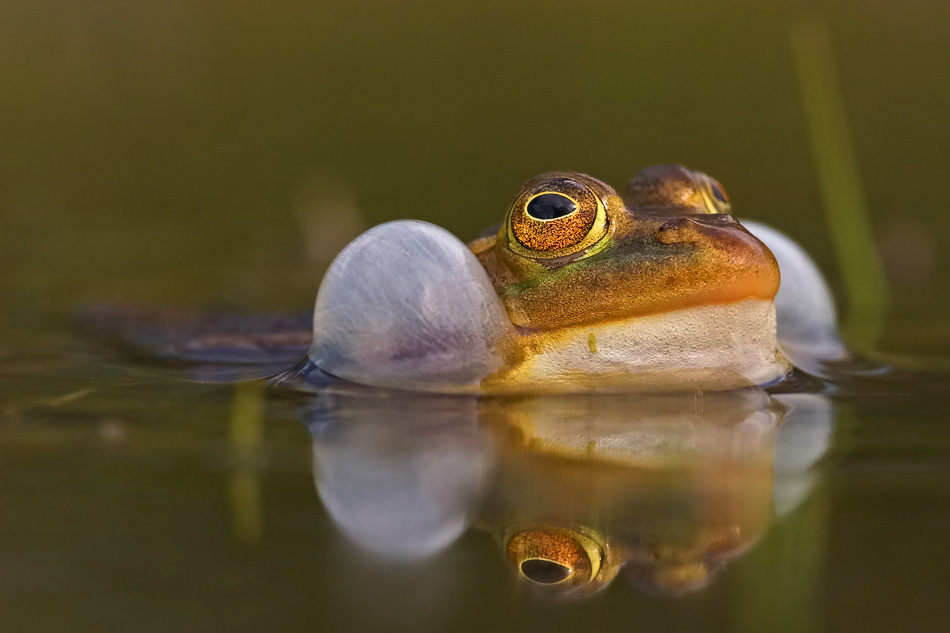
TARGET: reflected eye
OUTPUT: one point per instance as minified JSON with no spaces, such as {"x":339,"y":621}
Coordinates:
{"x":545,"y":572}
{"x":559,"y":561}
{"x":556,"y":215}
{"x":554,"y":557}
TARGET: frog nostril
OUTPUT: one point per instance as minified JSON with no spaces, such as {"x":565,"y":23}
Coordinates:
{"x":544,"y":572}
{"x":674,"y":231}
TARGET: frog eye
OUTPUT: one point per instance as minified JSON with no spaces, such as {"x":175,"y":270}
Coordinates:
{"x":676,"y":189}
{"x":556,"y":215}
{"x":548,"y":557}
{"x":718,"y":192}
{"x":554,"y":560}
{"x":714,"y":194}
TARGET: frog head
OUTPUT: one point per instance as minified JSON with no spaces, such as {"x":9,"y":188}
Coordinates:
{"x":663,"y":287}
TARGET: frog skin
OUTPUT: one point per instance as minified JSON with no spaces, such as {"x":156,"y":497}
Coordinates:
{"x":578,"y":290}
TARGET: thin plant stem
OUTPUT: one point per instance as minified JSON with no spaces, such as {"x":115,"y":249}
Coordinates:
{"x":840,"y":182}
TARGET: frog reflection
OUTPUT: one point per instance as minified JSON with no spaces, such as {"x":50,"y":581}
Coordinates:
{"x":405,"y":490}
{"x":663,"y":490}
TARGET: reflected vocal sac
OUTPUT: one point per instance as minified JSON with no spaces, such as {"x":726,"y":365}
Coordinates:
{"x":664,"y":490}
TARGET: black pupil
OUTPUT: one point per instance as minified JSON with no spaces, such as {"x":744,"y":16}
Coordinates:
{"x":545,"y":572}
{"x":550,"y":206}
{"x":718,"y":194}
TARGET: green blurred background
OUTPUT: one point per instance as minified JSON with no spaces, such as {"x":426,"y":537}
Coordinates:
{"x":214,"y":152}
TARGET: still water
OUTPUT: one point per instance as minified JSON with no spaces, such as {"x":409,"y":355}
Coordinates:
{"x":134,"y":498}
{"x":219,"y":154}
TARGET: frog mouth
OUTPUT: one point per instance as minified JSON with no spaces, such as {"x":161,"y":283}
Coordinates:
{"x":712,"y":347}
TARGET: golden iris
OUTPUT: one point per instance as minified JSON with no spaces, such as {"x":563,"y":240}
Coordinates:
{"x":554,"y":216}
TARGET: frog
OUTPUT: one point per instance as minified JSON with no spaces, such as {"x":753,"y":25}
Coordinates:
{"x":579,"y":289}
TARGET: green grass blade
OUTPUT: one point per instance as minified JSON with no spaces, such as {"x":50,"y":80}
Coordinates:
{"x":840,"y":182}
